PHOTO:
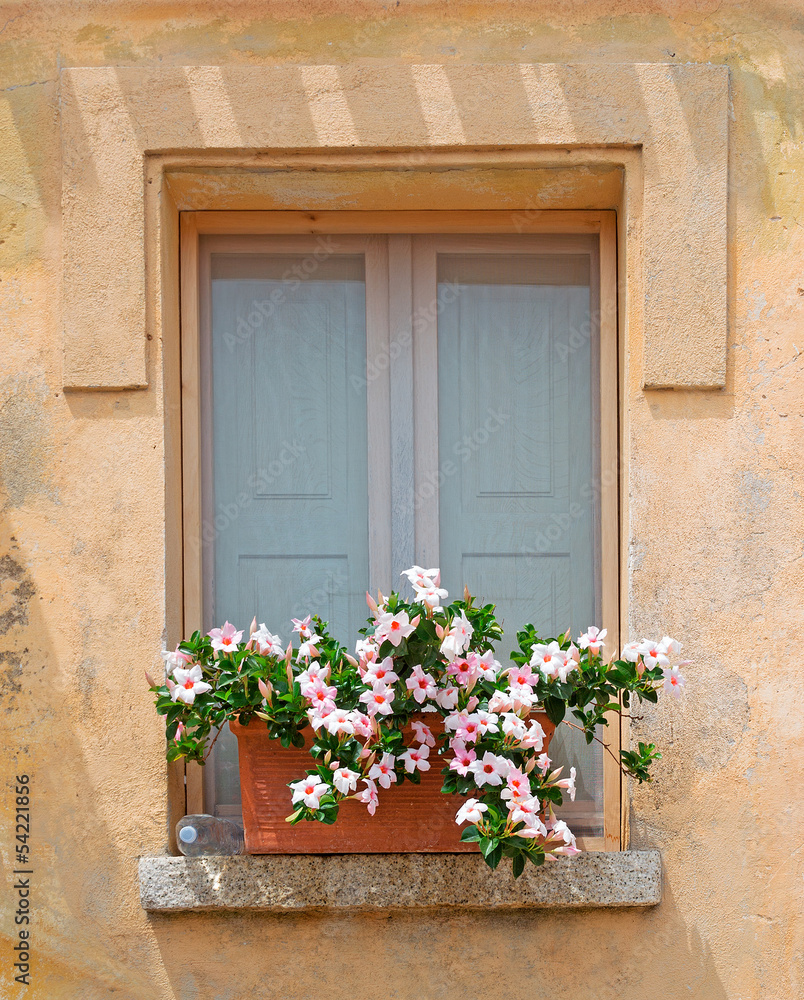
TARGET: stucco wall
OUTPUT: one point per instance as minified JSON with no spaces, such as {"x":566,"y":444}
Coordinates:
{"x":714,"y":537}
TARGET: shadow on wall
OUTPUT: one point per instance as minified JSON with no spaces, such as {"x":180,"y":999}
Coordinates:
{"x":438,"y":954}
{"x":61,"y":705}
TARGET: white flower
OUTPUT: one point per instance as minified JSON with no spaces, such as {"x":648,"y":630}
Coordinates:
{"x":383,"y":770}
{"x":431,"y":596}
{"x":266,"y":643}
{"x":457,"y":640}
{"x":471,"y":812}
{"x":569,"y":783}
{"x":674,"y":681}
{"x":447,"y":698}
{"x":345,"y":780}
{"x":369,"y":796}
{"x":309,"y":791}
{"x":490,"y":770}
{"x":339,"y":721}
{"x":592,"y":639}
{"x":423,"y":734}
{"x":416,"y":758}
{"x":188,"y":684}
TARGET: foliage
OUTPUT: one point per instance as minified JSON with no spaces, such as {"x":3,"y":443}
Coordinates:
{"x":491,"y":726}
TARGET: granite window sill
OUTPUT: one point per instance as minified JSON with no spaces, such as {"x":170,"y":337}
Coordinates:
{"x":293,"y":883}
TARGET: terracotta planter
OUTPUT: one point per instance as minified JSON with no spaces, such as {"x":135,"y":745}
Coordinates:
{"x":409,"y":818}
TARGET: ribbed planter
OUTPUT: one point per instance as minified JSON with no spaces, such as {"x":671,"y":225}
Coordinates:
{"x":409,"y":818}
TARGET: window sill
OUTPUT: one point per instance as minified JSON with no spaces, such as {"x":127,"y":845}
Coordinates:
{"x":292,"y":883}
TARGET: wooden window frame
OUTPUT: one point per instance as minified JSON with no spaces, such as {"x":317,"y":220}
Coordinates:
{"x":399,"y":226}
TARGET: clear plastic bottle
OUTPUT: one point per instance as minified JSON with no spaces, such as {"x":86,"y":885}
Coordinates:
{"x":204,"y":836}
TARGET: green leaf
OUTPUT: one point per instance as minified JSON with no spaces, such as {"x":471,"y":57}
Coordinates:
{"x":555,"y":709}
{"x":470,"y":835}
{"x":489,"y":845}
{"x":518,"y":864}
{"x":494,"y":857}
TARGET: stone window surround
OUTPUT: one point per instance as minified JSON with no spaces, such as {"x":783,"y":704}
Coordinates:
{"x":140,"y":145}
{"x":290,"y":884}
{"x":125,"y":129}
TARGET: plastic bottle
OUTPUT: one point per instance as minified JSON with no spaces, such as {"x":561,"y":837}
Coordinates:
{"x":205,"y":836}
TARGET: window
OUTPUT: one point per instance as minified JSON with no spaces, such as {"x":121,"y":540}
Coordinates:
{"x":360,"y":401}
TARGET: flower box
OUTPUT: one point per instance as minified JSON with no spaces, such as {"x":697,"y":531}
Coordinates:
{"x":345,"y":736}
{"x":410,"y":818}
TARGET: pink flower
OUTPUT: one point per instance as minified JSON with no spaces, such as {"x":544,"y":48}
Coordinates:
{"x":416,"y":757}
{"x":462,"y":670}
{"x":592,"y":639}
{"x":521,"y":675}
{"x":469,"y":730}
{"x":225,"y":639}
{"x":362,"y":724}
{"x":345,"y":780}
{"x":378,"y":700}
{"x":188,"y":685}
{"x":421,"y":684}
{"x":500,"y":702}
{"x":423,"y":734}
{"x":490,"y":770}
{"x":381,"y":672}
{"x":517,"y":786}
{"x":314,"y":670}
{"x":544,"y":763}
{"x":674,"y":681}
{"x":369,"y":796}
{"x":383,"y":770}
{"x":485,"y":666}
{"x":471,"y":811}
{"x":394,"y":628}
{"x":521,"y":696}
{"x":525,"y":810}
{"x":463,"y":757}
{"x":302,"y":626}
{"x":320,"y":695}
{"x":566,"y":668}
{"x":309,"y":791}
{"x":316,"y":718}
{"x":339,"y":721}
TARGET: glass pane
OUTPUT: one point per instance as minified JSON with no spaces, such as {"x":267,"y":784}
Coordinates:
{"x":518,"y":469}
{"x":286,"y":522}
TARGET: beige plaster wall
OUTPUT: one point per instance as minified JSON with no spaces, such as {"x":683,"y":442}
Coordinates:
{"x":713,"y":535}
